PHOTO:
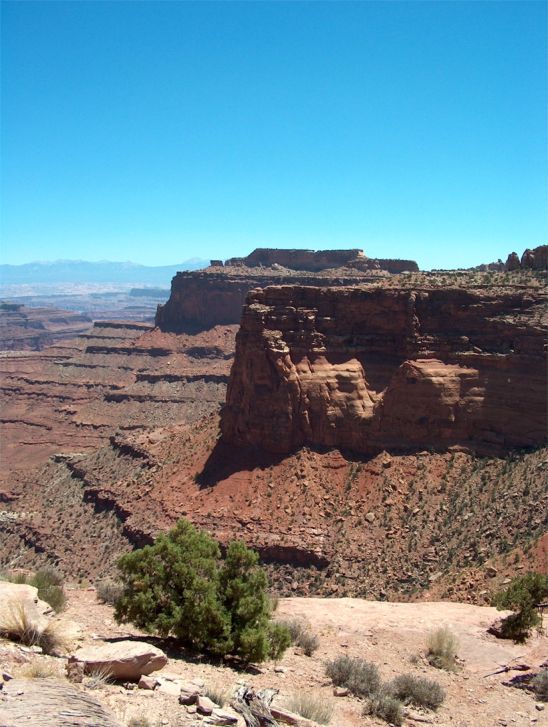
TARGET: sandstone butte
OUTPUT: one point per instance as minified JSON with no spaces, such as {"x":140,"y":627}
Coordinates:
{"x":216,"y":295}
{"x":368,"y":369}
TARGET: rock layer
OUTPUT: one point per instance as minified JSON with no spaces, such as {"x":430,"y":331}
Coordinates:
{"x":372,"y":369}
{"x":215,"y":296}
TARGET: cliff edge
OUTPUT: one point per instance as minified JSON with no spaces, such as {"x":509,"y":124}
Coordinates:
{"x":374,"y":368}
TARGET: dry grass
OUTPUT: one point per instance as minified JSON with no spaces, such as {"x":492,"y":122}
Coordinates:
{"x":217,"y":694}
{"x":40,"y":669}
{"x":99,"y":678}
{"x":311,"y":706}
{"x":442,"y":649}
{"x":17,"y":624}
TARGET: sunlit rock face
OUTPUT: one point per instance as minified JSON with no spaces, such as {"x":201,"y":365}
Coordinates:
{"x":372,"y":369}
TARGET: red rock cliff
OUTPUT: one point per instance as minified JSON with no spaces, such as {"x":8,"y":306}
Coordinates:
{"x":372,"y":369}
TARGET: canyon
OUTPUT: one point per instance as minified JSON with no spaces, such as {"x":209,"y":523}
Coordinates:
{"x":381,"y":436}
{"x":29,"y":328}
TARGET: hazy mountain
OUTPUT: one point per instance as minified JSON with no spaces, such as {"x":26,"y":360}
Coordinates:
{"x":81,"y":271}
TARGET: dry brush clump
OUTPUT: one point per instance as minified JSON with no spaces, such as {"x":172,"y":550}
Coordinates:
{"x":385,"y":701}
{"x":310,"y":705}
{"x":540,"y":685}
{"x":442,"y":649}
{"x":109,"y":591}
{"x":359,"y":676}
{"x":417,"y":691}
{"x":302,"y":635}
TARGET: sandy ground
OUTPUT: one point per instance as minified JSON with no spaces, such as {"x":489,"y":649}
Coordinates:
{"x":391,"y":635}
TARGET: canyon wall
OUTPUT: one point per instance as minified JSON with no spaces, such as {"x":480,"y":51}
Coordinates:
{"x":370,"y":369}
{"x":205,"y":299}
{"x":217,"y":294}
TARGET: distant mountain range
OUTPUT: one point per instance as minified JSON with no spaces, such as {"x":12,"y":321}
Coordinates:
{"x":81,"y":271}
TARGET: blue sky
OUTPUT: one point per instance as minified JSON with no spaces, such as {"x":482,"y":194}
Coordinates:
{"x":155,"y":132}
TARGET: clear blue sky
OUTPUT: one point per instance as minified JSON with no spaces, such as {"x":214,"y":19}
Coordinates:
{"x":155,"y":132}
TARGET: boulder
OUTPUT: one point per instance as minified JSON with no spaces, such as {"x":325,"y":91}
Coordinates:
{"x":121,"y":659}
{"x":17,"y":599}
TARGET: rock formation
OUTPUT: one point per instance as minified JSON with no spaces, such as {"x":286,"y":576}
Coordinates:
{"x":372,"y":369}
{"x":314,"y":261}
{"x":23,"y":328}
{"x":216,"y":295}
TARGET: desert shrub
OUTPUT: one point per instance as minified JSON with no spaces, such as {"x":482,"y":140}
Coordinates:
{"x":540,"y":685}
{"x":359,"y":676}
{"x":386,"y":707}
{"x":522,"y":596}
{"x":311,"y":706}
{"x":302,"y":635}
{"x":417,"y":691}
{"x":309,"y":642}
{"x":442,"y":649}
{"x":181,"y":587}
{"x":49,"y":583}
{"x":109,"y":591}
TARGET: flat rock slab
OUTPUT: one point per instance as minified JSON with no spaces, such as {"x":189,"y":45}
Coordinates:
{"x":121,"y":659}
{"x":50,"y":703}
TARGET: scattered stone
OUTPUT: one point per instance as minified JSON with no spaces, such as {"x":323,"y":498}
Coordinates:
{"x":147,"y":682}
{"x":539,"y":707}
{"x":169,"y":687}
{"x":284,"y":715}
{"x":6,"y":676}
{"x":340,"y":692}
{"x":279,"y":670}
{"x":74,"y":670}
{"x":491,"y":571}
{"x":220,"y":717}
{"x":204,"y":705}
{"x":122,"y":659}
{"x":189,"y":693}
{"x":370,"y":517}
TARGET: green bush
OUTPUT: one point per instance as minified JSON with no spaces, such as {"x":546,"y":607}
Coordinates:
{"x":359,"y":676}
{"x":540,"y":685}
{"x":386,"y":707}
{"x":522,"y":596}
{"x":181,"y":587}
{"x":417,"y":691}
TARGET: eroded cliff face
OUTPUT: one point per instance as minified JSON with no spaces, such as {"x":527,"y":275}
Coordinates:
{"x":201,"y":300}
{"x":372,"y":369}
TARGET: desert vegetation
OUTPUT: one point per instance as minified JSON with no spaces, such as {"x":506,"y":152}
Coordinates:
{"x":384,"y":700}
{"x":442,"y":649}
{"x":181,"y":587}
{"x":522,"y":596}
